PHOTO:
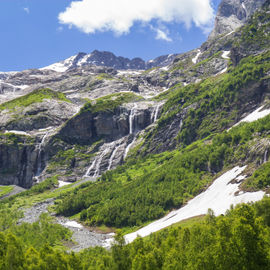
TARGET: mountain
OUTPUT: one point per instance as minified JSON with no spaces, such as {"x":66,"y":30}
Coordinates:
{"x":96,"y":150}
{"x":232,"y":14}
{"x":108,"y":59}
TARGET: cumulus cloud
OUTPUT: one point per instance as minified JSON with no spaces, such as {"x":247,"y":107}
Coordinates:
{"x":120,"y":15}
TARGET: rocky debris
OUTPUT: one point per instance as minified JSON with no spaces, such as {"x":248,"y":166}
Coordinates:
{"x":82,"y":236}
{"x":33,"y":213}
{"x":232,"y":14}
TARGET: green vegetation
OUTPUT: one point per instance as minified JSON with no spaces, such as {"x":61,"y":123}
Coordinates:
{"x":5,"y":190}
{"x":214,"y":104}
{"x":237,"y":241}
{"x":104,"y":76}
{"x":259,"y":180}
{"x":147,"y":186}
{"x":256,"y":33}
{"x":145,"y":189}
{"x":34,"y":97}
{"x":69,"y":158}
{"x":15,"y":139}
{"x":110,"y":102}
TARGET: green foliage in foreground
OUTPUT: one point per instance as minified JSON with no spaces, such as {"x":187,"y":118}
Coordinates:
{"x":165,"y":183}
{"x":34,"y":97}
{"x":237,"y":241}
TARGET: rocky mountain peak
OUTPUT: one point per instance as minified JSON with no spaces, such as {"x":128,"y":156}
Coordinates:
{"x":233,"y":14}
{"x":108,"y":59}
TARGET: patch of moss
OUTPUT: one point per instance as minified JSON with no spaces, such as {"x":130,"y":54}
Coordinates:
{"x":36,"y":96}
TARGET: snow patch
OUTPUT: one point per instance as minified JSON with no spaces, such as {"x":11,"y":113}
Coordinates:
{"x":62,"y":183}
{"x":195,"y":59}
{"x":255,"y":115}
{"x":61,"y":66}
{"x":219,"y":197}
{"x":18,"y":132}
{"x":225,"y":55}
{"x":73,"y":224}
{"x":166,"y":68}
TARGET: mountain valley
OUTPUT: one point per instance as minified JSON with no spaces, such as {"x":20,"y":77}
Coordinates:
{"x":112,"y":163}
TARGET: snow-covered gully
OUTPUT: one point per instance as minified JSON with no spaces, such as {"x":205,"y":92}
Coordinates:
{"x":255,"y":115}
{"x":223,"y":193}
{"x":195,"y":59}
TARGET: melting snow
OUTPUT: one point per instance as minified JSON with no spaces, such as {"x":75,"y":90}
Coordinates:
{"x":73,"y":224}
{"x":257,"y":114}
{"x":17,"y":132}
{"x":166,"y":68}
{"x":219,"y":197}
{"x":62,"y":183}
{"x":225,"y":54}
{"x":195,"y":59}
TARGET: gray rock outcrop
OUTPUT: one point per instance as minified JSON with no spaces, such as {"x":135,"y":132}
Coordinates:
{"x":232,"y":14}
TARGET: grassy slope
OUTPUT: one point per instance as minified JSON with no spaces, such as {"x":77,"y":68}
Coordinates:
{"x":33,"y":97}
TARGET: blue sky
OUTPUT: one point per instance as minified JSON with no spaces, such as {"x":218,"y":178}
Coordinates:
{"x":34,"y":34}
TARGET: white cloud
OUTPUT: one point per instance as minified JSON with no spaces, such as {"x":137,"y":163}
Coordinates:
{"x":26,"y":9}
{"x":162,"y":35}
{"x":120,"y":15}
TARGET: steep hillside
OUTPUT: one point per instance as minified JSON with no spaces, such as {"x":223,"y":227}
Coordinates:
{"x":112,"y":148}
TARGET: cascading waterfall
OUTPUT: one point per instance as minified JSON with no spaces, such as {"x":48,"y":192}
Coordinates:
{"x":155,"y":112}
{"x":39,"y":159}
{"x":131,"y":118}
{"x":265,"y":156}
{"x":128,"y":147}
{"x":94,"y":169}
{"x":112,"y":156}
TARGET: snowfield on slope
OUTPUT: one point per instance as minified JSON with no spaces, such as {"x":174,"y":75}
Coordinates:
{"x":219,"y":197}
{"x":255,"y":115}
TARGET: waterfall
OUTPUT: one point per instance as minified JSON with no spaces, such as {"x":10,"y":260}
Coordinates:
{"x":94,"y":169}
{"x":131,"y":118}
{"x":128,"y":147}
{"x":40,"y":149}
{"x":265,"y":156}
{"x":112,"y":156}
{"x":97,"y":170}
{"x":181,"y":123}
{"x":155,"y":112}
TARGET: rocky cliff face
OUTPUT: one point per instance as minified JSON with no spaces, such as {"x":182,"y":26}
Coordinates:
{"x":88,"y":127}
{"x":18,"y":157}
{"x":232,"y":14}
